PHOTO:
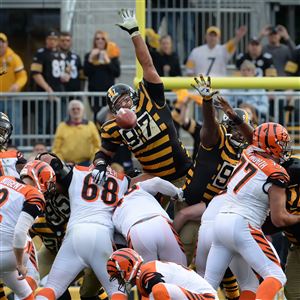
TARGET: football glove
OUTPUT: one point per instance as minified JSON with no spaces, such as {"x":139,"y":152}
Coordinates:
{"x":99,"y":173}
{"x":179,"y":197}
{"x":129,"y":22}
{"x":204,"y":88}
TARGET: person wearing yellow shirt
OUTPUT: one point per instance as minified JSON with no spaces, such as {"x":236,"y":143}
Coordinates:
{"x":13,"y":78}
{"x":76,"y":140}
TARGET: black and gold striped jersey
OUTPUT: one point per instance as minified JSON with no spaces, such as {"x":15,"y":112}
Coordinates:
{"x":2,"y":293}
{"x":293,"y":207}
{"x":51,"y":237}
{"x":153,"y":141}
{"x":211,"y":170}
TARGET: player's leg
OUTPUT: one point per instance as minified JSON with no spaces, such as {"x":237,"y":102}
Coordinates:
{"x":91,"y":288}
{"x":292,"y":271}
{"x":170,"y":247}
{"x":9,"y":275}
{"x":45,"y":259}
{"x":96,"y":255}
{"x":66,"y":266}
{"x":205,"y":239}
{"x":33,"y":276}
{"x":247,"y":279}
{"x":251,"y":243}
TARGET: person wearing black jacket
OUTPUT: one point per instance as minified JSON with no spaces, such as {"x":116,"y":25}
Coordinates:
{"x":102,"y":67}
{"x":166,"y":61}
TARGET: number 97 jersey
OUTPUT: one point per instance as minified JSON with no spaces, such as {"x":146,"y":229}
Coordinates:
{"x":91,"y":203}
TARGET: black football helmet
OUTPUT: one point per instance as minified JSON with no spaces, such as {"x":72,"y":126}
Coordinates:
{"x":116,"y":91}
{"x":6,"y":129}
{"x":236,"y":138}
{"x":293,"y":168}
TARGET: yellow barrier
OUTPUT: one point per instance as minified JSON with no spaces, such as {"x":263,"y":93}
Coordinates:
{"x":278,"y":83}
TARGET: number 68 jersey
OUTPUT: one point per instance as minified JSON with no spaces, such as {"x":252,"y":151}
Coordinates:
{"x":247,"y":191}
{"x":91,"y":203}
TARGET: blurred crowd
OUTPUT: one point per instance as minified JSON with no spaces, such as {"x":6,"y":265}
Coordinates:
{"x":57,"y":68}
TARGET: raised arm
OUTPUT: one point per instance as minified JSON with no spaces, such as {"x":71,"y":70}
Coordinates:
{"x":130,"y":25}
{"x":245,"y":129}
{"x":157,"y":185}
{"x":209,"y":133}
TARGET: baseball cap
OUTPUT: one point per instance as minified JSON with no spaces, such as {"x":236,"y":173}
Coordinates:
{"x":213,"y":29}
{"x":254,"y":40}
{"x":3,"y":37}
{"x":52,"y":33}
{"x":273,"y":30}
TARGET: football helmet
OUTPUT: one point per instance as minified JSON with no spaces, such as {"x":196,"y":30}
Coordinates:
{"x":42,"y":175}
{"x":123,"y":266}
{"x":293,"y":168}
{"x":273,"y":139}
{"x":121,"y":95}
{"x":236,"y":137}
{"x":6,"y":129}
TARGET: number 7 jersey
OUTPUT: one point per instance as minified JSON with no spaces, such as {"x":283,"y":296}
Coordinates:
{"x":247,"y":191}
{"x":91,"y":203}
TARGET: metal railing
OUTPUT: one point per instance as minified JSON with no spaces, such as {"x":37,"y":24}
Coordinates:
{"x":35,"y":116}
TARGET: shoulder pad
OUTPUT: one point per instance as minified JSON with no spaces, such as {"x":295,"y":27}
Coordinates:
{"x":40,"y":50}
{"x":267,"y":55}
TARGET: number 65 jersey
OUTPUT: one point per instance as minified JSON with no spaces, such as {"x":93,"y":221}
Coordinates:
{"x":91,"y":203}
{"x":247,"y":191}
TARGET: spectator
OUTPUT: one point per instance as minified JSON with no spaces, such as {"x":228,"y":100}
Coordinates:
{"x":13,"y":78}
{"x":211,"y":58}
{"x":46,"y":68}
{"x":262,"y":61}
{"x":39,"y":147}
{"x":281,"y":53}
{"x":73,"y":66}
{"x":166,"y":61}
{"x":292,"y":67}
{"x":101,"y":66}
{"x":252,"y":114}
{"x":152,"y":39}
{"x":260,"y":102}
{"x":76,"y":140}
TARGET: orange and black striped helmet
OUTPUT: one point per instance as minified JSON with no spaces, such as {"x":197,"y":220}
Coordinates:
{"x":123,"y":266}
{"x":41,"y":173}
{"x":273,"y":139}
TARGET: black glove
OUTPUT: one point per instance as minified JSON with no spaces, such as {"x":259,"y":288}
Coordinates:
{"x":99,"y":172}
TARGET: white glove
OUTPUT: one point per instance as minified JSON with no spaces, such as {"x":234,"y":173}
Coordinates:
{"x":99,"y":173}
{"x":179,"y":197}
{"x":129,"y":22}
{"x":204,"y":88}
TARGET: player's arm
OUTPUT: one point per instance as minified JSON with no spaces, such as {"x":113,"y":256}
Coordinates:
{"x":190,"y":213}
{"x":157,"y":185}
{"x":245,"y":129}
{"x":209,"y":133}
{"x":130,"y":25}
{"x":32,"y":207}
{"x":277,"y":197}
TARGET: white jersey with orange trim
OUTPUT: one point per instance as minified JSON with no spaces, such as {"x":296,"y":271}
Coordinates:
{"x":93,"y":204}
{"x":13,"y":195}
{"x":156,"y":271}
{"x":137,"y":205}
{"x":247,"y":191}
{"x":8,"y":161}
{"x":208,"y":61}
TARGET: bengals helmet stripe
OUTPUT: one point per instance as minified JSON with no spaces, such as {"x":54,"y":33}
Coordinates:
{"x":273,"y":139}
